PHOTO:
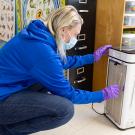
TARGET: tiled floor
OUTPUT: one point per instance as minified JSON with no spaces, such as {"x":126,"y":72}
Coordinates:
{"x":87,"y":122}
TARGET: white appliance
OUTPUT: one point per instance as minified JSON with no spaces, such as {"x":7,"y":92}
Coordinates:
{"x":121,"y":70}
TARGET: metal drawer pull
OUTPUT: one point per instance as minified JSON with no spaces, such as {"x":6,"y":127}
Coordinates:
{"x":80,"y":70}
{"x":81,"y":37}
{"x":79,"y":81}
{"x":83,"y":1}
{"x":82,"y":48}
{"x":83,"y":11}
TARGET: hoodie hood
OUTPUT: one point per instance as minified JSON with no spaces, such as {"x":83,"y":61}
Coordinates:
{"x":36,"y":30}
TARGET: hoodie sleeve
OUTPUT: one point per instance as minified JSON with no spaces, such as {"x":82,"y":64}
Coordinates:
{"x":49,"y":72}
{"x":78,"y":61}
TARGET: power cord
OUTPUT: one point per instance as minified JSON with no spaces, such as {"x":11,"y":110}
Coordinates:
{"x":96,"y":111}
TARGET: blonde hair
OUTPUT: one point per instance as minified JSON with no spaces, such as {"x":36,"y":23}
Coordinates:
{"x":66,"y":16}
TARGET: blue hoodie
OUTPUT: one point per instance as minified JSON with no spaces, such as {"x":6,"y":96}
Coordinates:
{"x":31,"y":57}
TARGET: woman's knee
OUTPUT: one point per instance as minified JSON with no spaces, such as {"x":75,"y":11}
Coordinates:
{"x":65,"y":108}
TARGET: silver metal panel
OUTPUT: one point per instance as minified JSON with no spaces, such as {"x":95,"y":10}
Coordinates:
{"x":116,"y":74}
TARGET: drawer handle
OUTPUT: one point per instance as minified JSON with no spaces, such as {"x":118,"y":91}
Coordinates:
{"x":83,"y":11}
{"x":81,"y":48}
{"x":80,"y":81}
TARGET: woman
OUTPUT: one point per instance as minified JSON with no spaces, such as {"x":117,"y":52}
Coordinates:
{"x":37,"y":55}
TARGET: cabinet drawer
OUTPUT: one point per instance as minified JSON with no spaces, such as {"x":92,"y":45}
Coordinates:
{"x":83,"y":4}
{"x":81,"y":77}
{"x":89,"y":21}
{"x":82,"y":47}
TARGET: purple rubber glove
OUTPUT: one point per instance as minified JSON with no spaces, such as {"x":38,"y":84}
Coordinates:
{"x":111,"y":92}
{"x":101,"y":51}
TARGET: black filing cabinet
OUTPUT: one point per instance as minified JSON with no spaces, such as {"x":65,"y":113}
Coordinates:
{"x":82,"y":77}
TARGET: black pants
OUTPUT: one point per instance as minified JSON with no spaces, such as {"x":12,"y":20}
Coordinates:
{"x":30,"y":111}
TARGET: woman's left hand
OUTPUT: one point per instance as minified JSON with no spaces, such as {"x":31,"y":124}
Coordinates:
{"x":101,"y":51}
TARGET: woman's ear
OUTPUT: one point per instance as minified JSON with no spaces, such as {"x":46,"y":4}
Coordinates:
{"x":61,"y":33}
